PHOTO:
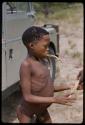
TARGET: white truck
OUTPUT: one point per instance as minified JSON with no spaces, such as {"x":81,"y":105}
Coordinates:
{"x":16,"y":17}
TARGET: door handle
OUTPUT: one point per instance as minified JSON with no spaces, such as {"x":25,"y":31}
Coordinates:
{"x":10,"y":53}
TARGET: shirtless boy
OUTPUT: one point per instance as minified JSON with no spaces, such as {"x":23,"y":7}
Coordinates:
{"x":35,"y":82}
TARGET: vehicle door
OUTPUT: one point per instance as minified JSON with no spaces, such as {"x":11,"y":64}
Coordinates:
{"x":18,"y":17}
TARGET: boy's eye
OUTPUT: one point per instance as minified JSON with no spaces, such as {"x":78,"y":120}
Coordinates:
{"x":46,"y":46}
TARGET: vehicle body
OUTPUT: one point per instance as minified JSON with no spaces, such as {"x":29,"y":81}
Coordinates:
{"x":14,"y":23}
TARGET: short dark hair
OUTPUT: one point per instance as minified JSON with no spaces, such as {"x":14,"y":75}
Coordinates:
{"x":32,"y":34}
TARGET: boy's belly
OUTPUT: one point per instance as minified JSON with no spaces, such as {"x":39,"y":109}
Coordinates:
{"x":33,"y":108}
{"x":42,"y":86}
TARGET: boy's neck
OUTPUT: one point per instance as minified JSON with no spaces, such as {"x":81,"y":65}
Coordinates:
{"x":37,"y":59}
{"x":33,"y":57}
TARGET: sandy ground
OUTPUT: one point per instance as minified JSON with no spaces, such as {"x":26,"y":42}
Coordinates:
{"x":68,"y":71}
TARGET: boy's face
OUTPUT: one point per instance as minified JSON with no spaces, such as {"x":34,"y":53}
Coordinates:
{"x":40,"y":48}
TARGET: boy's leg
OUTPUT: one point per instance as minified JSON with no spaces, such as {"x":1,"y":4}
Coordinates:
{"x":22,"y":117}
{"x":45,"y":118}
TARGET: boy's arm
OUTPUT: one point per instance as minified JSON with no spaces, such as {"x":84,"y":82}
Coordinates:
{"x":25,"y":84}
{"x":61,"y":87}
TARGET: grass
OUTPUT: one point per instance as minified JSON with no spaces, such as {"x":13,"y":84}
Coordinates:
{"x":71,"y":14}
{"x":71,"y":44}
{"x":76,"y":54}
{"x":69,"y":19}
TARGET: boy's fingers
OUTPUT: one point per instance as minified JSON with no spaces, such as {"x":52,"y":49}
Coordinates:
{"x":66,"y":103}
{"x":71,"y":101}
{"x":69,"y":94}
{"x":71,"y":98}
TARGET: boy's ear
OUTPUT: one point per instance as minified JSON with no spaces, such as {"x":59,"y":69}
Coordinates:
{"x":31,"y":45}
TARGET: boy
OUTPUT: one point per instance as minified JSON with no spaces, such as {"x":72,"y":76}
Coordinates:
{"x":35,"y":82}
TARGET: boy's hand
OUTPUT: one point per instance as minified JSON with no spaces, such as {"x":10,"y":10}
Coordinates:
{"x":65,"y":100}
{"x":71,"y":85}
{"x":69,"y":94}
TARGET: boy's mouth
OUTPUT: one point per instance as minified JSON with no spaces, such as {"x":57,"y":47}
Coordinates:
{"x":45,"y":54}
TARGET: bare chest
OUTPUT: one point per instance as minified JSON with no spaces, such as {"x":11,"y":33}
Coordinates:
{"x":40,"y":77}
{"x":40,"y":70}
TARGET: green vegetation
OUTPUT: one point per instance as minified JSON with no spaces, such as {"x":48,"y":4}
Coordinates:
{"x":72,"y":51}
{"x":67,"y":15}
{"x":52,"y":10}
{"x":76,"y":54}
{"x":59,"y":11}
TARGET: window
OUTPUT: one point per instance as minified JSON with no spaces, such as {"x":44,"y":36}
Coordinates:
{"x":14,"y":7}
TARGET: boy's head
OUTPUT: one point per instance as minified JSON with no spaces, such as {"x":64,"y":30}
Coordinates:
{"x":33,"y":34}
{"x":36,"y":40}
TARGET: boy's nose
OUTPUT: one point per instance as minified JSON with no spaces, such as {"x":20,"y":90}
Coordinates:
{"x":47,"y":49}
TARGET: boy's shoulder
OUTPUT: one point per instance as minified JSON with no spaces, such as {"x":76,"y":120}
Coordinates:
{"x":26,"y":63}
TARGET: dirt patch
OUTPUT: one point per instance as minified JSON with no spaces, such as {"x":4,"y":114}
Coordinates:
{"x":71,"y":54}
{"x":67,"y":114}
